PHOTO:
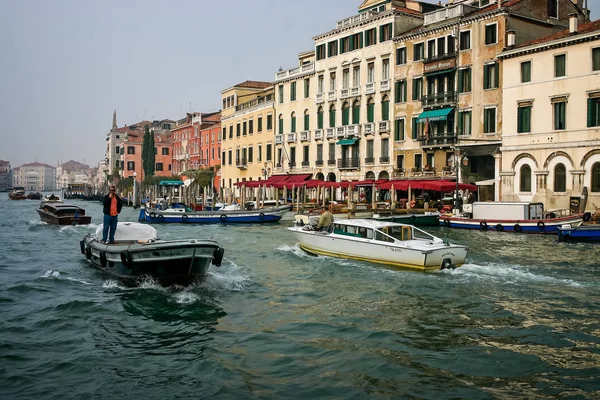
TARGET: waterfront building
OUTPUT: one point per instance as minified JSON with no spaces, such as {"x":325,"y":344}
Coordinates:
{"x":72,"y":172}
{"x":130,"y":149}
{"x":247,"y":134}
{"x":5,"y":175}
{"x":209,"y":144}
{"x":132,"y":146}
{"x":112,"y":157}
{"x":182,"y":135}
{"x":35,"y":176}
{"x":551,"y":135}
{"x":448,"y":83}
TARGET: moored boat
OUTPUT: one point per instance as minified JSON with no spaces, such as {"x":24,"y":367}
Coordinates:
{"x":34,"y":196}
{"x":383,"y":242}
{"x":183,"y":215}
{"x":137,"y":253}
{"x":63,"y":214}
{"x":582,"y":233}
{"x":52,"y":198}
{"x":18,"y":193}
{"x":426,"y":219}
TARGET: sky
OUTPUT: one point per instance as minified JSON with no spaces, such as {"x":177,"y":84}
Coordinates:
{"x":67,"y":64}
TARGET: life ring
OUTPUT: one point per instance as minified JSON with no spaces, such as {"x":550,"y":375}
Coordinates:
{"x":126,"y":259}
{"x":103,"y":259}
{"x":412,"y":203}
{"x":517,"y":228}
{"x":152,"y":215}
{"x":447,"y":221}
{"x":550,"y":215}
{"x":184,"y":218}
{"x":541,"y":224}
{"x":218,"y":257}
{"x":261,"y":216}
{"x":161,"y":218}
{"x":223,"y":217}
{"x":499,"y":227}
{"x":88,"y":252}
{"x":483,"y":226}
{"x":82,"y":246}
{"x":587,"y":216}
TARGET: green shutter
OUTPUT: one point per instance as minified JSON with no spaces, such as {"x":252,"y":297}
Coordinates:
{"x":356,"y":114}
{"x":527,"y":119}
{"x":360,"y":40}
{"x":345,"y":115}
{"x":320,"y":120}
{"x":341,"y":46}
{"x":414,"y":128}
{"x":381,"y":34}
{"x":351,"y":38}
{"x":591,"y":120}
{"x":293,"y":124}
{"x":520,"y":120}
{"x":306,"y":122}
{"x":281,"y":126}
{"x":385,"y":110}
{"x":370,"y":112}
{"x":332,"y":118}
{"x":461,"y":126}
{"x":397,"y":92}
{"x":460,"y":80}
{"x":497,"y":74}
{"x":486,"y":76}
{"x":397,"y":130}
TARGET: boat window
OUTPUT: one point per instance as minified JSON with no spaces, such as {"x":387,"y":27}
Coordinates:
{"x":421,"y":235}
{"x":406,"y":233}
{"x":382,"y":237}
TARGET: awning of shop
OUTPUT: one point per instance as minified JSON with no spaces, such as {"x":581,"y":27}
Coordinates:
{"x":170,"y":183}
{"x":347,"y":142}
{"x":296,"y":180}
{"x":438,"y":185}
{"x":435,"y":115}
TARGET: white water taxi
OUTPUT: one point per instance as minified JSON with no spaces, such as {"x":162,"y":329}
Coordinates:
{"x":381,"y":242}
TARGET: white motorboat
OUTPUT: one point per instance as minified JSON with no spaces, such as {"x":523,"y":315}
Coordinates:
{"x":381,"y":242}
{"x":137,"y":253}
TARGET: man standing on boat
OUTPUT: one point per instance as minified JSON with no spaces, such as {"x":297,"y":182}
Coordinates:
{"x":326,"y":219}
{"x":112,"y":208}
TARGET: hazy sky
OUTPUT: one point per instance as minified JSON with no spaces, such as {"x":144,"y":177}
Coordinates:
{"x":67,"y":64}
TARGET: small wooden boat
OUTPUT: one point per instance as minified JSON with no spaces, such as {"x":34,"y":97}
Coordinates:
{"x":186,"y":215}
{"x":381,"y":242}
{"x":63,"y":214}
{"x":18,"y":193}
{"x":34,"y":196}
{"x":137,"y":253}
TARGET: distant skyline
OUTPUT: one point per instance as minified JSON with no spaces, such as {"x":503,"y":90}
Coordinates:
{"x":68,"y":64}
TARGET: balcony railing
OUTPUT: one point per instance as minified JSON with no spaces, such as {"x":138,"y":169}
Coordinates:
{"x":318,"y":134}
{"x":369,"y":160}
{"x":344,"y":93}
{"x":370,"y":88}
{"x":384,"y":126}
{"x":438,"y":140}
{"x":330,"y":133}
{"x":340,"y":131}
{"x":330,"y":162}
{"x":278,"y":139}
{"x":291,"y":137}
{"x":320,"y":98}
{"x":331,"y":95}
{"x":319,"y":163}
{"x":305,"y":136}
{"x":384,"y":160}
{"x":348,"y":163}
{"x":436,"y":99}
{"x":384,"y":85}
{"x":353,"y":130}
{"x":438,"y":57}
{"x":369,"y":128}
{"x":355,"y":91}
{"x":447,"y":13}
{"x":355,"y":19}
{"x":256,"y":103}
{"x":306,"y":163}
{"x":303,"y":69}
{"x":241,"y":163}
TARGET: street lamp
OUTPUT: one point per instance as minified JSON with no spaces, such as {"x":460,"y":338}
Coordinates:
{"x":265,"y":173}
{"x":454,"y":163}
{"x":134,"y":188}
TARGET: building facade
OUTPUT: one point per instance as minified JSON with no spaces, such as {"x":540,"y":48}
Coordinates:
{"x":209,"y":143}
{"x":247,"y":134}
{"x":551,"y":135}
{"x":35,"y":176}
{"x":182,"y":135}
{"x":5,"y":175}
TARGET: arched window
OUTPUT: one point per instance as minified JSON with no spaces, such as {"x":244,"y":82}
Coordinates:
{"x":320,"y":118}
{"x":356,"y":112}
{"x":596,"y":177}
{"x":293,"y":122}
{"x":332,"y":116}
{"x":280,"y":124}
{"x":560,"y":178}
{"x":306,"y":120}
{"x":525,"y":176}
{"x":370,"y":110}
{"x":385,"y":108}
{"x":345,"y":113}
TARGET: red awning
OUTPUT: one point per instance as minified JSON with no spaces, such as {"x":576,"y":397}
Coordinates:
{"x":296,"y":180}
{"x":314,"y":183}
{"x":438,"y":185}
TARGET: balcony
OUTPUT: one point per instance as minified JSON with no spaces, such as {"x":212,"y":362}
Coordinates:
{"x":345,"y":93}
{"x":331,"y":95}
{"x":330,"y":162}
{"x":301,"y":70}
{"x":260,"y":102}
{"x":318,"y":134}
{"x":384,"y":127}
{"x":370,"y":88}
{"x":241,"y":163}
{"x":292,"y":164}
{"x":438,"y":99}
{"x":340,"y":131}
{"x":438,"y":57}
{"x":369,"y":160}
{"x":355,"y":91}
{"x":319,"y":163}
{"x":353,"y":130}
{"x":320,"y":98}
{"x":384,"y":85}
{"x":369,"y":128}
{"x":448,"y":13}
{"x":305,"y":136}
{"x":330,"y":133}
{"x":438,"y":140}
{"x":355,"y":19}
{"x":305,"y":164}
{"x":291,"y":137}
{"x":278,"y":139}
{"x":348,"y":163}
{"x":384,"y":160}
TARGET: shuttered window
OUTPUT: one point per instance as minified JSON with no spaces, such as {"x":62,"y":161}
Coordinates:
{"x":356,"y":113}
{"x":385,"y":109}
{"x":320,"y":118}
{"x":332,"y":117}
{"x":399,"y":129}
{"x":525,"y":178}
{"x":524,"y":119}
{"x":596,"y":177}
{"x":560,"y":178}
{"x":560,"y":115}
{"x":491,"y":76}
{"x":371,"y":112}
{"x":560,"y":65}
{"x":345,"y":114}
{"x":526,"y":71}
{"x":593,"y":112}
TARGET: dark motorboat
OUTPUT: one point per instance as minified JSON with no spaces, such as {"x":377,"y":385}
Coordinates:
{"x":34,"y":196}
{"x":63,"y":214}
{"x":18,"y":193}
{"x":137,"y":254}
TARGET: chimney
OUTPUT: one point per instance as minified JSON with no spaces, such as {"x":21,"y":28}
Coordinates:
{"x":573,"y":23}
{"x":511,"y":38}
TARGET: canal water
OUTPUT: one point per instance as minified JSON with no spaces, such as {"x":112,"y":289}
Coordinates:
{"x":520,"y":320}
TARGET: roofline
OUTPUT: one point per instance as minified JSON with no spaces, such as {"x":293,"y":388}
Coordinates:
{"x":248,"y":87}
{"x":554,"y":43}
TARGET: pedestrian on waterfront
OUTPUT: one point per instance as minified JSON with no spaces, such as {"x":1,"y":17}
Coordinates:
{"x":426,"y":199}
{"x":326,"y":219}
{"x":112,"y":207}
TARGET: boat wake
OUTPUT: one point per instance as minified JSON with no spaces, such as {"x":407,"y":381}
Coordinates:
{"x":53,"y":274}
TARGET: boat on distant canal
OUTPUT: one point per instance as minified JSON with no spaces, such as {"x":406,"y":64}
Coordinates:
{"x":63,"y":214}
{"x":137,"y":253}
{"x":18,"y":193}
{"x":382,"y":242}
{"x":34,"y":196}
{"x":519,"y":217}
{"x":236,"y":216}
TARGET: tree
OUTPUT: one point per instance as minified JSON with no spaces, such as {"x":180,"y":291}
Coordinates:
{"x":148,"y":153}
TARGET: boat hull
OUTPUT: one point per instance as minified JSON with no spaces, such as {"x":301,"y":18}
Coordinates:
{"x":213,"y":217}
{"x":64,"y":220}
{"x":323,"y":243}
{"x":542,"y":226}
{"x":586,"y":233}
{"x":179,"y":262}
